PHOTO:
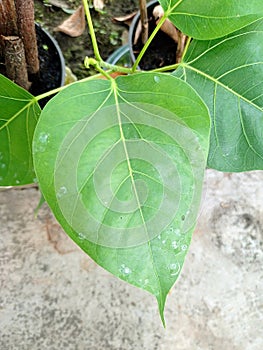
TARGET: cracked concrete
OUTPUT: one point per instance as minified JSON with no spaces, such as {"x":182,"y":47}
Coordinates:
{"x":52,"y":296}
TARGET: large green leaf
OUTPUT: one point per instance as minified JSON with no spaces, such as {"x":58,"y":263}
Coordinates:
{"x":19,"y":112}
{"x":228,"y":75}
{"x":122,"y":168}
{"x":212,"y":19}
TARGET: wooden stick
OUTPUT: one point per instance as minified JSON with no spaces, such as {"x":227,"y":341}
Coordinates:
{"x":168,"y":27}
{"x":26,"y":29}
{"x":144,"y":20}
{"x":15,"y":61}
{"x":8,"y":24}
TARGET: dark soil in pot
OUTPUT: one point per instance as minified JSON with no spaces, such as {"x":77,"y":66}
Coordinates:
{"x":52,"y":66}
{"x":162,"y":50}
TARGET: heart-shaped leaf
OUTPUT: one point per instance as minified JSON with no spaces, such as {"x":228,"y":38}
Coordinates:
{"x":19,"y":112}
{"x":212,"y":19}
{"x":228,"y":75}
{"x":122,"y":168}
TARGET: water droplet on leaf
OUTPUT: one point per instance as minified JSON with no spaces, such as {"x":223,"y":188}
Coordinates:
{"x":43,"y":137}
{"x":174,"y":245}
{"x":177,"y":232}
{"x":174,"y":269}
{"x":157,"y":79}
{"x":125,"y":270}
{"x":61,"y":192}
{"x":43,"y":141}
{"x":81,"y":236}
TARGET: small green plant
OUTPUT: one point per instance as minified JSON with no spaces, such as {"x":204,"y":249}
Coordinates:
{"x":121,"y":161}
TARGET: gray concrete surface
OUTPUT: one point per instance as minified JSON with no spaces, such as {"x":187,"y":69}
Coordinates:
{"x":52,"y":296}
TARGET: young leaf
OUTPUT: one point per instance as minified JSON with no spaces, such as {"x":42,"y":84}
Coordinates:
{"x":122,"y":170}
{"x":212,"y":19}
{"x":228,"y":75}
{"x":19,"y":112}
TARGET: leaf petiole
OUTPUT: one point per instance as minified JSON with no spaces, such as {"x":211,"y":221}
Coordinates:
{"x":93,"y":62}
{"x":55,"y":91}
{"x":148,"y":42}
{"x":186,"y":48}
{"x":91,"y":30}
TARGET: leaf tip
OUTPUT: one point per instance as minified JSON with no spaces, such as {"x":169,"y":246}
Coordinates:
{"x":161,"y":304}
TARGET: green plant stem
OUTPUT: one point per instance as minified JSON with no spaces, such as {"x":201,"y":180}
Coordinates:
{"x":145,"y":47}
{"x":99,"y":63}
{"x":167,"y":68}
{"x":91,"y":61}
{"x":91,"y":30}
{"x":55,"y":91}
{"x":102,"y":64}
{"x":186,"y":48}
{"x":49,"y":93}
{"x":116,"y":68}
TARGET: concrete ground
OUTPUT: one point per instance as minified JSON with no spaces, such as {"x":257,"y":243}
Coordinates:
{"x":52,"y":296}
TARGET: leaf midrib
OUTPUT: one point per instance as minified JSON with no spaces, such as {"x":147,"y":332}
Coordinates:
{"x":215,"y":81}
{"x":240,"y":97}
{"x":116,"y":96}
{"x":229,"y":38}
{"x":17,"y":114}
{"x":212,"y":17}
{"x":123,"y":140}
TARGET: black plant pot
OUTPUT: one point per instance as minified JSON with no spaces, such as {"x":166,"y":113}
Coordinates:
{"x":121,"y":57}
{"x":162,"y":50}
{"x":52,"y":65}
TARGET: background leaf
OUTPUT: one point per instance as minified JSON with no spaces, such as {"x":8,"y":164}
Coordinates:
{"x":228,"y":75}
{"x":212,"y":19}
{"x":122,"y":170}
{"x":19,"y":112}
